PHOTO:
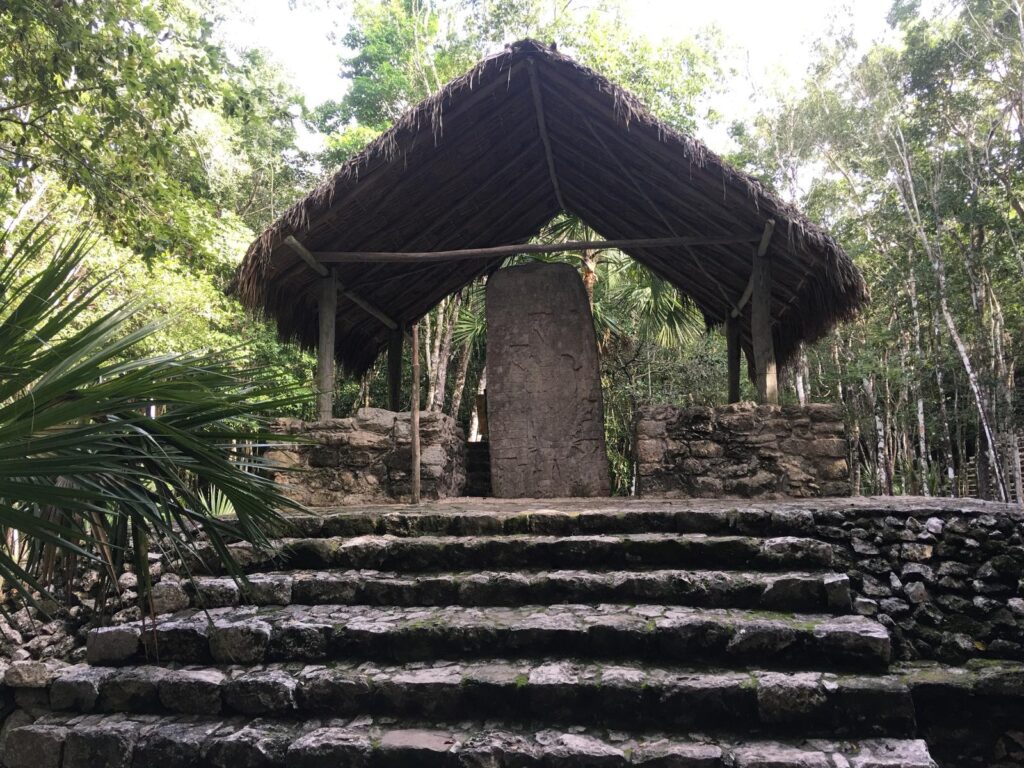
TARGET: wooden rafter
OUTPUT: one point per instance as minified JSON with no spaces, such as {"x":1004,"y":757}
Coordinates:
{"x":656,"y":210}
{"x":538,"y":103}
{"x":305,"y":255}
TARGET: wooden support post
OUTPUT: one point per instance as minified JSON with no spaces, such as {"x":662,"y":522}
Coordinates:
{"x":395,"y":370}
{"x":762,"y":249}
{"x":414,"y":423}
{"x":761,"y":331}
{"x":327,"y":312}
{"x":732,"y":337}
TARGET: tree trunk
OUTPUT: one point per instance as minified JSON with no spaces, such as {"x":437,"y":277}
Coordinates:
{"x":474,"y":419}
{"x":590,"y":260}
{"x":922,"y":429}
{"x":908,"y":198}
{"x":882,"y":483}
{"x":442,"y":359}
{"x":460,"y":379}
{"x":799,"y":372}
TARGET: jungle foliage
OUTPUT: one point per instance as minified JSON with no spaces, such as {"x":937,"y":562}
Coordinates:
{"x":142,"y":122}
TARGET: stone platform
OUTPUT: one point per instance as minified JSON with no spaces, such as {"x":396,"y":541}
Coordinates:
{"x":557,"y":633}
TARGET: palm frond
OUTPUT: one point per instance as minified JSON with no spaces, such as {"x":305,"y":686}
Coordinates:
{"x":102,"y":452}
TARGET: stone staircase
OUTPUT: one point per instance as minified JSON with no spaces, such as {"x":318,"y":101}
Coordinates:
{"x":649,"y":634}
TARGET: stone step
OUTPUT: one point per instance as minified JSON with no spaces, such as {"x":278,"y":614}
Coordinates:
{"x":786,"y":591}
{"x":561,"y":517}
{"x":247,"y":635}
{"x":515,"y":551}
{"x":106,"y":741}
{"x":567,"y":692}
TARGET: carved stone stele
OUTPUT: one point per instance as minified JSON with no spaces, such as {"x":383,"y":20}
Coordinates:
{"x":544,"y":405}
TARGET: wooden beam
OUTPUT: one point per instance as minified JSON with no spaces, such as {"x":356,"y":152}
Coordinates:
{"x":367,"y":307}
{"x":349,"y":257}
{"x":765,"y":366}
{"x":327,"y":313}
{"x":320,"y":269}
{"x":394,"y":370}
{"x":732,"y":338}
{"x":762,"y":249}
{"x":309,"y":258}
{"x":414,"y":421}
{"x":538,"y":103}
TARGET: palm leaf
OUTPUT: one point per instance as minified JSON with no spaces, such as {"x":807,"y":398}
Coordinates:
{"x":101,"y":451}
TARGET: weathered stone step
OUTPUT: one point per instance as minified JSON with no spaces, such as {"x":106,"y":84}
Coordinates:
{"x":106,"y":741}
{"x":785,"y":591}
{"x":248,"y":635}
{"x":562,"y":517}
{"x":433,"y":553}
{"x":566,"y":692}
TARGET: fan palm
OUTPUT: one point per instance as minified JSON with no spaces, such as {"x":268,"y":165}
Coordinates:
{"x":103,"y":454}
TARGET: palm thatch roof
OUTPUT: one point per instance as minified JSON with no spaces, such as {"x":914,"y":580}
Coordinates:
{"x":472,"y":167}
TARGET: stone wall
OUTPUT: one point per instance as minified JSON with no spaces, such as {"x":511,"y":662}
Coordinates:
{"x":945,"y":576}
{"x":367,"y":458}
{"x":746,"y":450}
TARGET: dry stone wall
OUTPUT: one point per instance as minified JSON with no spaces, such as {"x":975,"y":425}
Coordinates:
{"x":744,"y":450}
{"x":368,"y":457}
{"x":945,"y":577}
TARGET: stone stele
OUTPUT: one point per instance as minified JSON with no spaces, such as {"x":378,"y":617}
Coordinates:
{"x":544,"y":406}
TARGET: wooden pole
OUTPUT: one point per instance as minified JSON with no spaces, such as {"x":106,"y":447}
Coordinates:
{"x":732,"y":337}
{"x":414,"y":423}
{"x":762,"y":249}
{"x":394,"y":370}
{"x":761,"y":331}
{"x":327,"y":312}
{"x":358,"y":257}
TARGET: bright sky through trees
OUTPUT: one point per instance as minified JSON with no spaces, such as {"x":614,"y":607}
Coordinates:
{"x":770,"y":44}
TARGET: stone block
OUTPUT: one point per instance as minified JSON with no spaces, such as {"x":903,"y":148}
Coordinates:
{"x":270,"y":692}
{"x":192,"y":691}
{"x":30,"y":674}
{"x":105,"y":745}
{"x":78,"y":688}
{"x":35,"y":746}
{"x":169,"y":597}
{"x":242,"y":642}
{"x":112,"y":645}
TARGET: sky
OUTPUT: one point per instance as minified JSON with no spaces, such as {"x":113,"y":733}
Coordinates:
{"x":770,"y":41}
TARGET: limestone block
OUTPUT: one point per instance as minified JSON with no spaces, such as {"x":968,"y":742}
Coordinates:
{"x":112,"y":645}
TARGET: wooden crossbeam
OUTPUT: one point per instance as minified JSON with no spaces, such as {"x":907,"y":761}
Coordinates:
{"x":538,"y":103}
{"x":350,"y":257}
{"x":312,"y":262}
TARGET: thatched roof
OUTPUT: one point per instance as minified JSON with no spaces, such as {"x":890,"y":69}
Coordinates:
{"x":467,"y":168}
